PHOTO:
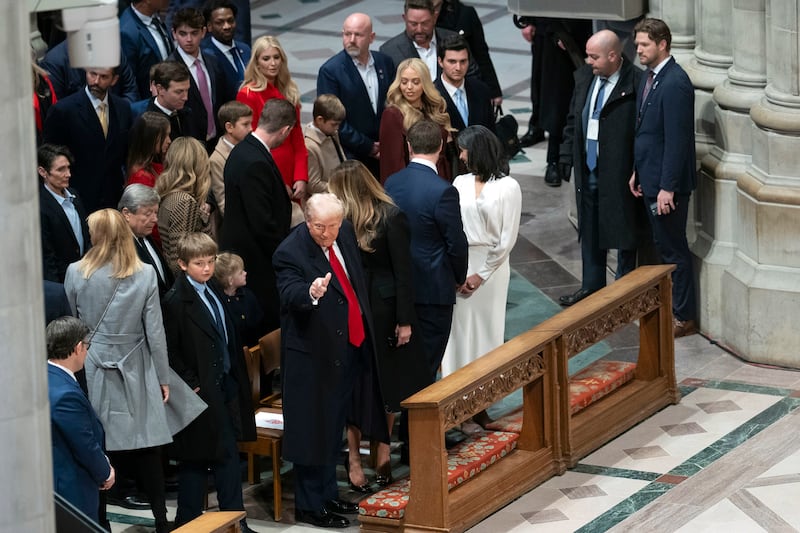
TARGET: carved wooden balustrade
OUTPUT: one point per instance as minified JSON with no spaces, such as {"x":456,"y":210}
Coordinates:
{"x":551,"y":438}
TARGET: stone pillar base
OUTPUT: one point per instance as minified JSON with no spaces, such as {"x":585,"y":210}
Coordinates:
{"x":759,"y":312}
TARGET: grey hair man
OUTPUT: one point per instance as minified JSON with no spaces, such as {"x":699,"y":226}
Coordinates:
{"x":139,"y":207}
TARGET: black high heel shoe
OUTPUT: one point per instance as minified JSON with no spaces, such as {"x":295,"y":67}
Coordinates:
{"x":383,"y":475}
{"x":363,"y":489}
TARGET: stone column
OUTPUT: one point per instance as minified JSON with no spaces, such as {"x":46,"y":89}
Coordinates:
{"x":728,"y":158}
{"x":25,"y":461}
{"x":761,"y":287}
{"x":680,"y":16}
{"x":708,"y":69}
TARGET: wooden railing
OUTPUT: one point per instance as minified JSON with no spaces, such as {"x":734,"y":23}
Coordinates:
{"x":551,"y":438}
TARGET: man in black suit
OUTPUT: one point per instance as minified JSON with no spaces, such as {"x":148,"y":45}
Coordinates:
{"x":65,"y":235}
{"x":360,"y":78}
{"x":94,"y":124}
{"x":598,"y":143}
{"x":326,"y":336}
{"x":665,"y":163}
{"x":257,"y":205}
{"x":438,"y":244}
{"x":206,"y":83}
{"x":139,"y":206}
{"x":420,"y":38}
{"x":468,"y":99}
{"x":171,"y":81}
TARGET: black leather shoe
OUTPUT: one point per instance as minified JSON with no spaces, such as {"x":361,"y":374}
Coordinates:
{"x":552,"y":177}
{"x":533,"y":136}
{"x":341,"y":506}
{"x":575,"y":297}
{"x":244,"y":528}
{"x":323,"y":518}
{"x":129,"y":502}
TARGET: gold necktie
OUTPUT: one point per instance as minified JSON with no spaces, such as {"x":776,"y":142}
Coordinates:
{"x":102,"y":114}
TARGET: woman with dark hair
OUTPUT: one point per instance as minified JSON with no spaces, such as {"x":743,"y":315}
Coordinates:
{"x":383,"y":238}
{"x":491,"y":202}
{"x":149,"y":140}
{"x":411,"y":97}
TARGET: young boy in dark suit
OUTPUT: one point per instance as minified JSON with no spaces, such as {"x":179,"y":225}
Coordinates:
{"x":205,"y":351}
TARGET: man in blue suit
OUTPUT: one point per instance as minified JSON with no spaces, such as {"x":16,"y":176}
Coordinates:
{"x":438,"y":244}
{"x":475,"y":106}
{"x":80,"y":467}
{"x":359,"y":78}
{"x":144,"y":39}
{"x":664,"y":160}
{"x":231,"y":55}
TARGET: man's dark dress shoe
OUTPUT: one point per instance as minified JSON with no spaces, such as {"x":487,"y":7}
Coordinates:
{"x":682,"y":328}
{"x":341,"y":506}
{"x":533,"y":136}
{"x":244,"y":528}
{"x":552,"y":177}
{"x":323,"y":518}
{"x":129,"y":502}
{"x":575,"y":297}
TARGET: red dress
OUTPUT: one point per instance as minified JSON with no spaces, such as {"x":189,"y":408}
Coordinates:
{"x":394,"y":148}
{"x":145,"y":177}
{"x":291,"y":157}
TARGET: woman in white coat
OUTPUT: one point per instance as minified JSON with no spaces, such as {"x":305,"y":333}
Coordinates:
{"x":127,"y":370}
{"x":491,"y":202}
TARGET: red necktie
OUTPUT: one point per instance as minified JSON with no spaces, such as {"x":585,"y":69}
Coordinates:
{"x":355,"y":324}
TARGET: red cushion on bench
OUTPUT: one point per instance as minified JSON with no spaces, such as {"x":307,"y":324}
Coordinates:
{"x":511,"y":422}
{"x":476,"y":453}
{"x":464,"y":461}
{"x":597,"y":380}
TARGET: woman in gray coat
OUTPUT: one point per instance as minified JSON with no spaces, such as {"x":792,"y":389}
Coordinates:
{"x":127,"y":371}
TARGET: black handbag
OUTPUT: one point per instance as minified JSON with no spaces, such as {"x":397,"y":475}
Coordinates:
{"x":506,"y":128}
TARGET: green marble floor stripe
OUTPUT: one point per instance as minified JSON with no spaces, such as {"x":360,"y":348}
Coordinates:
{"x":686,"y":389}
{"x":626,"y":507}
{"x":746,"y":387}
{"x":615,"y":472}
{"x":691,"y":466}
{"x":736,"y":437}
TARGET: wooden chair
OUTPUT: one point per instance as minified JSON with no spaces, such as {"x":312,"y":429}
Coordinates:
{"x":270,"y":345}
{"x":268,"y":441}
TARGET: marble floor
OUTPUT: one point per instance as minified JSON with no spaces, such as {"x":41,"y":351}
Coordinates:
{"x":726,"y":458}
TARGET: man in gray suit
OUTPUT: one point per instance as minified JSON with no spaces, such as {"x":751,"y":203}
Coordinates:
{"x":420,"y":38}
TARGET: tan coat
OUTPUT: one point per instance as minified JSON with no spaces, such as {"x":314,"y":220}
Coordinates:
{"x":216,"y":163}
{"x":322,"y":158}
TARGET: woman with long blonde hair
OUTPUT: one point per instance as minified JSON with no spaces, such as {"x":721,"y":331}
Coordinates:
{"x":183,"y":187}
{"x":266,"y":77}
{"x":127,"y":372}
{"x":383,"y":238}
{"x":411,"y":97}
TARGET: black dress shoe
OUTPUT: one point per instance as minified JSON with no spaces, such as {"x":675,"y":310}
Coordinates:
{"x":575,"y":297}
{"x":323,"y":518}
{"x":552,"y":177}
{"x":129,"y":502}
{"x":341,"y":506}
{"x":244,"y":528}
{"x":533,"y":136}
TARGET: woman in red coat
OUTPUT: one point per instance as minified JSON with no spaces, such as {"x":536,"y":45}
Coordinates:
{"x":266,"y":77}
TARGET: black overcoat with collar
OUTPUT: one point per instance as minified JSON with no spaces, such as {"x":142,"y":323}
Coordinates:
{"x":623,"y":220}
{"x":314,"y":343}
